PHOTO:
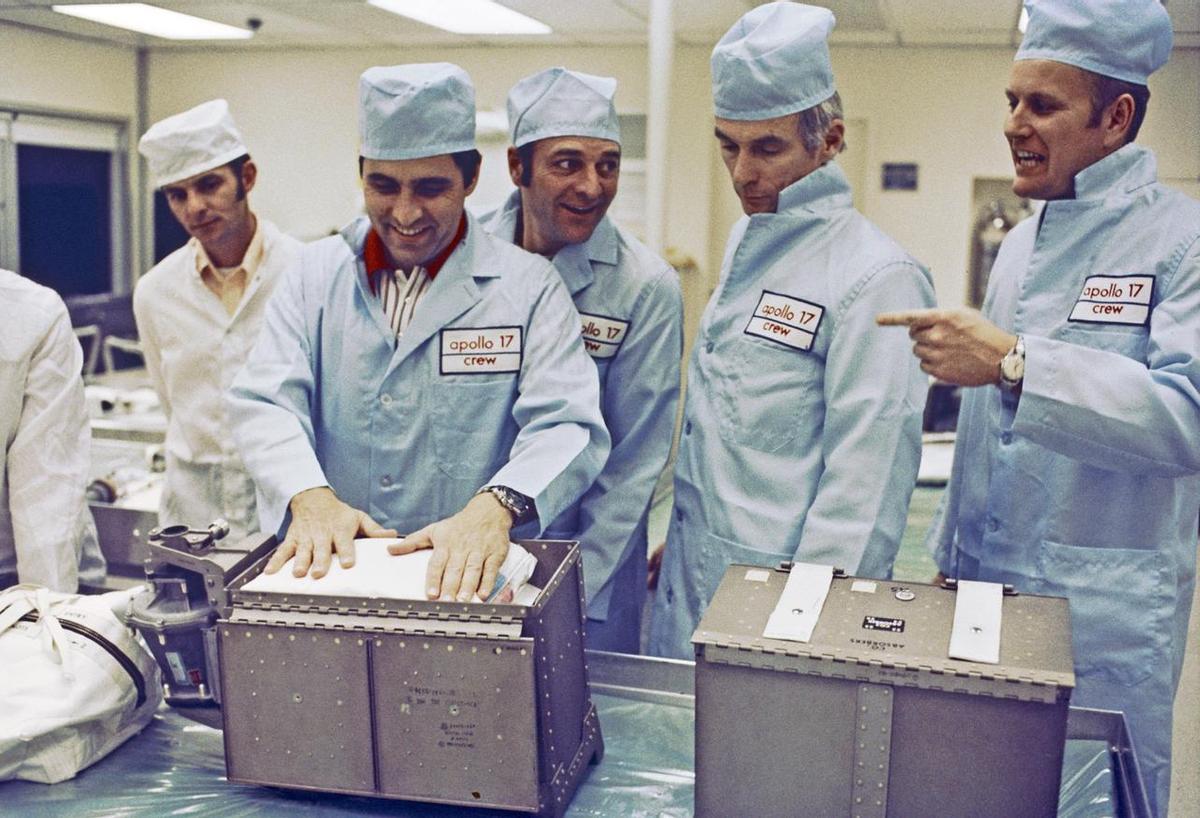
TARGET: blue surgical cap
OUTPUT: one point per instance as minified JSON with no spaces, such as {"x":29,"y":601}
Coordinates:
{"x":774,"y":61}
{"x":1123,"y":39}
{"x":414,"y":111}
{"x":561,"y":102}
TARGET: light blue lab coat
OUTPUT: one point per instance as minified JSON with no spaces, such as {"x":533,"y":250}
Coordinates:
{"x":1087,"y":487}
{"x":619,"y":286}
{"x":329,"y":397}
{"x":788,"y":453}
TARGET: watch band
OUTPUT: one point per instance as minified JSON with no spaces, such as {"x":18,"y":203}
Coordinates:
{"x":1012,"y":367}
{"x":518,"y":505}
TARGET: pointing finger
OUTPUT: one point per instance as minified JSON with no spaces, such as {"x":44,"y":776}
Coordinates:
{"x":908,"y":318}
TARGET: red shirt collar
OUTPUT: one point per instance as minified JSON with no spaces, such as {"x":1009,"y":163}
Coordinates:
{"x":375,"y":256}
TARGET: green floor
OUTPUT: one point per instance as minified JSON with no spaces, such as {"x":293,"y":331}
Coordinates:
{"x":912,"y":561}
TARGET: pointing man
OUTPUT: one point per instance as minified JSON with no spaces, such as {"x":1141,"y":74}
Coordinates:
{"x":802,"y":424}
{"x":1076,"y":469}
{"x":566,"y":162}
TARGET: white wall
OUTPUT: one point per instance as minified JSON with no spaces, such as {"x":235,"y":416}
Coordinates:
{"x":944,"y":109}
{"x":47,"y":71}
{"x":297,"y":110}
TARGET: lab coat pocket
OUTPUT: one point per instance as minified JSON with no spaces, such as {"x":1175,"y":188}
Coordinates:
{"x":718,"y":553}
{"x":1129,"y":341}
{"x":771,"y":386}
{"x":1121,"y":602}
{"x":471,"y":421}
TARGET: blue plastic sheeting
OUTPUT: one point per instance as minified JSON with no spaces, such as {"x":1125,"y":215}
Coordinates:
{"x":176,"y":767}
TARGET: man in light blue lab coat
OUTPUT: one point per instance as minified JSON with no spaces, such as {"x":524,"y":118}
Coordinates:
{"x":566,"y":161}
{"x":414,"y":371}
{"x":802,"y":423}
{"x":1077,"y":466}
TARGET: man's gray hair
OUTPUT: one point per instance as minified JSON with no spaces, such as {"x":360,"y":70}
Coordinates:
{"x":815,"y":122}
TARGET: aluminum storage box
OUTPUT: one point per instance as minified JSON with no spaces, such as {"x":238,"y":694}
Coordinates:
{"x":467,"y":704}
{"x":870,"y":718}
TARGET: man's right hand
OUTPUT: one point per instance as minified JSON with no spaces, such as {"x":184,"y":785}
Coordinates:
{"x":321,"y":526}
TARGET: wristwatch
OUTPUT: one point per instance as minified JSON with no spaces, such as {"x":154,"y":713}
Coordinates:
{"x":519,"y":506}
{"x":1012,"y":367}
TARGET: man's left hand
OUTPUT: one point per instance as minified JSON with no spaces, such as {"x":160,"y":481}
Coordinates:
{"x":468,"y":550}
{"x":958,"y":346}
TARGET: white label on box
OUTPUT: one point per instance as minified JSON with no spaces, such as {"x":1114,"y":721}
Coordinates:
{"x":480,"y":351}
{"x":602,"y":336}
{"x":799,"y":607}
{"x":177,"y":669}
{"x":975,"y":635}
{"x":792,"y":322}
{"x":757,"y":575}
{"x":863,"y":586}
{"x":1115,"y":300}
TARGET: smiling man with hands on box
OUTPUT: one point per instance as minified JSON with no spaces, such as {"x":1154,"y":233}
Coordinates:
{"x":415,"y":372}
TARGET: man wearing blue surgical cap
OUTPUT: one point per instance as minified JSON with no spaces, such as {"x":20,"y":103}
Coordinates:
{"x":1077,"y":469}
{"x":414,"y":373}
{"x":566,"y":162}
{"x":802,"y":423}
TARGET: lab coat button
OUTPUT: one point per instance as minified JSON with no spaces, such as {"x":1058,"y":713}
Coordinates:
{"x":385,"y":481}
{"x":385,"y":399}
{"x":1006,"y":438}
{"x":993,"y":524}
{"x":709,"y":347}
{"x":687,"y":428}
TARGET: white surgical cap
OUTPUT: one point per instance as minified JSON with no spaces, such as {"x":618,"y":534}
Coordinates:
{"x":193,"y":142}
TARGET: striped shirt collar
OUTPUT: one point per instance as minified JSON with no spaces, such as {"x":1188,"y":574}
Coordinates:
{"x":375,"y":256}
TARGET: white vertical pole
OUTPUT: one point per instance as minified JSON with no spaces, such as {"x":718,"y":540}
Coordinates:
{"x":661,"y":57}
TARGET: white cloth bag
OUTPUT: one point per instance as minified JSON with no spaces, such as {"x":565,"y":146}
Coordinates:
{"x":75,"y":682}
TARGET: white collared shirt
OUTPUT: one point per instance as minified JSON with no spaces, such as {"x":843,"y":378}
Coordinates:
{"x":194,"y":346}
{"x":46,"y":531}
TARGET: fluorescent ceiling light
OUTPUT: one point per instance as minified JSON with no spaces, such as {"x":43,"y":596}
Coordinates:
{"x":465,"y":16}
{"x":144,"y":19}
{"x":1023,"y":20}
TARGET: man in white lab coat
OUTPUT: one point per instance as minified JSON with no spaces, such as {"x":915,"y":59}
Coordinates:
{"x":199,"y":310}
{"x":47,"y":536}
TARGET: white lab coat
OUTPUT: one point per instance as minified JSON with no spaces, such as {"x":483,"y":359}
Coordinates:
{"x":193,"y":349}
{"x":47,"y":535}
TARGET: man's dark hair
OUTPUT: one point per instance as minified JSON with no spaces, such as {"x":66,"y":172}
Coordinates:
{"x":236,"y":166}
{"x":525,"y":155}
{"x":1106,"y":90}
{"x":467,"y":162}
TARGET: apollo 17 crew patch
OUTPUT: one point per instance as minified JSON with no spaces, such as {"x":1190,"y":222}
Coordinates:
{"x":791,"y":322}
{"x":602,"y":336}
{"x":1115,"y":300}
{"x":480,"y":350}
